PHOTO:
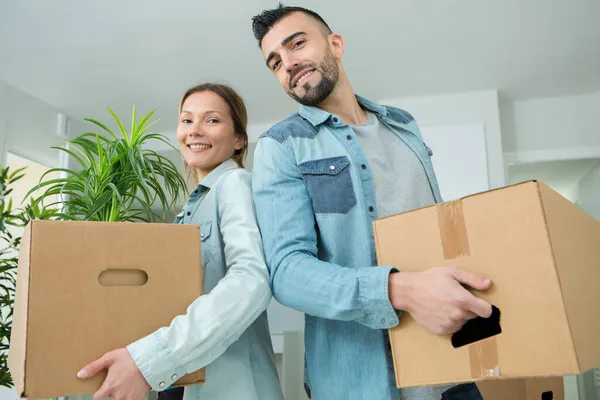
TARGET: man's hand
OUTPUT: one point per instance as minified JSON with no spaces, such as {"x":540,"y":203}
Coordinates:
{"x":124,"y":380}
{"x":437,"y":299}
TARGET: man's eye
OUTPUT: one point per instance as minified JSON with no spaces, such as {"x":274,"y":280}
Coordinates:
{"x":298,"y":43}
{"x":276,"y":64}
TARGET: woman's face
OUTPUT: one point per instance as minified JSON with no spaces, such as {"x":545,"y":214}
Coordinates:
{"x":206,"y":133}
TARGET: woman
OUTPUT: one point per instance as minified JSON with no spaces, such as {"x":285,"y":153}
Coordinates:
{"x":224,"y":330}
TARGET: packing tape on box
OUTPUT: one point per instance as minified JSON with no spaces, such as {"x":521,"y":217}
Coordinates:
{"x":483,"y":355}
{"x":453,"y":230}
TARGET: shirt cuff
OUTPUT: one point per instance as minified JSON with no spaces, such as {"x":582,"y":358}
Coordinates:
{"x":374,"y":295}
{"x":156,"y":361}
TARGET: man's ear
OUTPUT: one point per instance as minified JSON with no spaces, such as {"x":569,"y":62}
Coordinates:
{"x":336,"y":42}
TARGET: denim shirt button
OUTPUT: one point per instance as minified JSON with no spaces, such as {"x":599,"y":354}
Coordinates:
{"x":174,"y":377}
{"x":188,"y":213}
{"x":371,"y":209}
{"x":364,"y":166}
{"x":162,"y":384}
{"x":336,"y":120}
{"x":332,"y":167}
{"x":348,"y":137}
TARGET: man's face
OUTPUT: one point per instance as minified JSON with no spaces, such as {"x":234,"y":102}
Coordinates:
{"x":298,"y":52}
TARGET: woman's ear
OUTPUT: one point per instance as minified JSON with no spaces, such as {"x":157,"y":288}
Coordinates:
{"x":240,"y":142}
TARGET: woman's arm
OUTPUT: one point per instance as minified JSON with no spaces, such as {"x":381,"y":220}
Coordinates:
{"x":215,"y":320}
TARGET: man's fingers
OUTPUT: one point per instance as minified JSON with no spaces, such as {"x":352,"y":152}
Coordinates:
{"x":471,"y":279}
{"x":94,"y":367}
{"x":479,"y":307}
{"x":470,"y":315}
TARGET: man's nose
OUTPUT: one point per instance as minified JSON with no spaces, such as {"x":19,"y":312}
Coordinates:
{"x":289,"y":63}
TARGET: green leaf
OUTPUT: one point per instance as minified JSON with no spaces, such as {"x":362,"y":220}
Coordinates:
{"x":101,"y":125}
{"x":13,"y":175}
{"x":133,"y":123}
{"x":121,"y":126}
{"x":72,"y":154}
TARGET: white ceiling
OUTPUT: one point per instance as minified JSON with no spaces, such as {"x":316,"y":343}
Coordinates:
{"x":562,"y":176}
{"x":81,"y":56}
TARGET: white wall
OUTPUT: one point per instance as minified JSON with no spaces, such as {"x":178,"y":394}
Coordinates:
{"x":547,"y":124}
{"x":589,"y":193}
{"x":3,"y":129}
{"x":463,"y":109}
{"x":30,"y":125}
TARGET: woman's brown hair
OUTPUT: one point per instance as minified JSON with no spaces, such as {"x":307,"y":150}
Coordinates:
{"x":237,"y":111}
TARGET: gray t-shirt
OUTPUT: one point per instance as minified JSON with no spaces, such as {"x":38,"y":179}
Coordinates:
{"x":399,"y":178}
{"x":401,"y":185}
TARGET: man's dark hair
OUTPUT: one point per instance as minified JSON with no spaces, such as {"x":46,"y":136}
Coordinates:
{"x":263,"y":22}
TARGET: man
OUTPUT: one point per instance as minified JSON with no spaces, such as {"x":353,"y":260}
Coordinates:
{"x":320,"y":178}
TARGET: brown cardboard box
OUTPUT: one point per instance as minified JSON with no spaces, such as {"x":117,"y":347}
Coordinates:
{"x":542,"y":254}
{"x":71,"y":306}
{"x":551,"y":388}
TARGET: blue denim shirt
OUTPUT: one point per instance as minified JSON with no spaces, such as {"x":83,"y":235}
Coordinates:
{"x":225,"y":329}
{"x":315,"y":203}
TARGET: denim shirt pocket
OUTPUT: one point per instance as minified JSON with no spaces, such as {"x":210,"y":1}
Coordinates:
{"x":205,"y":244}
{"x":329,"y":184}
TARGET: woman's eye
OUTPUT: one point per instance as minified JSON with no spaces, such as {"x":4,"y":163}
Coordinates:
{"x":186,"y":121}
{"x":213,"y":121}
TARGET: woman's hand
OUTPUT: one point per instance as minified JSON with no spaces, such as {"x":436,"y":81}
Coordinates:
{"x":124,"y":380}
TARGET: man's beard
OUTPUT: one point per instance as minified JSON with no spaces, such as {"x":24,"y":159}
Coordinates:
{"x":329,"y":78}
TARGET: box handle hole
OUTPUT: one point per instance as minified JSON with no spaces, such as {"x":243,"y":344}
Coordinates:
{"x":122,"y":277}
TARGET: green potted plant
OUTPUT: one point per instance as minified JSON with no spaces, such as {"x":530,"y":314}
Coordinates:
{"x":9,"y":250}
{"x":10,"y":240}
{"x":120,"y":179}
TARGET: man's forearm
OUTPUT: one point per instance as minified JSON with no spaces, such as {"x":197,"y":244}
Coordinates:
{"x":330,"y":291}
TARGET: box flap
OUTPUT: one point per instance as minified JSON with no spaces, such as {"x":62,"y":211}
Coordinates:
{"x":502,"y":389}
{"x":544,"y":388}
{"x":549,"y":388}
{"x":17,"y":353}
{"x":529,"y":183}
{"x":575,"y":238}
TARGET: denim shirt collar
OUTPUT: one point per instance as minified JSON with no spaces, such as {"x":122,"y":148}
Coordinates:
{"x":317,"y":116}
{"x":210,"y":179}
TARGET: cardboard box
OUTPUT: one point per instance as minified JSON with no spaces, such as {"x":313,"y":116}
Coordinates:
{"x":550,"y":388}
{"x":85,"y":288}
{"x":542,"y":254}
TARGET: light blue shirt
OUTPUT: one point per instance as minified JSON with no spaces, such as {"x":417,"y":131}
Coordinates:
{"x":315,"y":201}
{"x":225,"y":329}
